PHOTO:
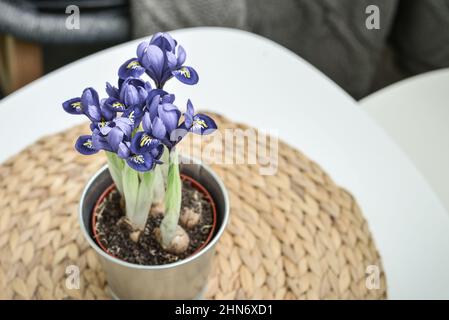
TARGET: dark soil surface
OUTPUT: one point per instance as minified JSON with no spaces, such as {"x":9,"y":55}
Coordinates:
{"x":114,"y":231}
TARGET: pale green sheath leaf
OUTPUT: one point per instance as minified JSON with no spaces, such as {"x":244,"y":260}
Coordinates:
{"x":172,"y":201}
{"x":164,"y":166}
{"x":144,"y":199}
{"x":115,"y":166}
{"x":159,"y":185}
{"x":130,"y":190}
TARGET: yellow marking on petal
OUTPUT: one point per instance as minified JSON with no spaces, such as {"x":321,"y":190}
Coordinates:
{"x":76,"y":105}
{"x":138,"y":158}
{"x":117,"y":105}
{"x":185,"y":72}
{"x":102,"y":123}
{"x":131,"y":116}
{"x":145,"y":140}
{"x":200,"y":123}
{"x":88,"y":144}
{"x":133,"y":64}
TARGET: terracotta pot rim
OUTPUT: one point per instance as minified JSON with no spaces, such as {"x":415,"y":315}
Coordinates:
{"x":184,"y":177}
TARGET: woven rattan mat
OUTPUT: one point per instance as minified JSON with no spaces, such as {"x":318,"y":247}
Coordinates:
{"x":292,"y":235}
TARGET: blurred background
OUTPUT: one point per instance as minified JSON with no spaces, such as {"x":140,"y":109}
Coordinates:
{"x":413,"y":35}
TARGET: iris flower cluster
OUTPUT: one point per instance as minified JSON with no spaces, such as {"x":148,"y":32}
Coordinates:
{"x":137,"y":119}
{"x":139,"y":126}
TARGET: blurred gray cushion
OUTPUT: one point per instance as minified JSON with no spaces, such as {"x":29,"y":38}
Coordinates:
{"x":330,"y":34}
{"x":421,"y":35}
{"x":103,"y":21}
{"x":150,"y":16}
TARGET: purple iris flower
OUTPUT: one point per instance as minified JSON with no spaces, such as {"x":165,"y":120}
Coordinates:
{"x":155,"y":98}
{"x":117,"y":132}
{"x":163,"y":59}
{"x":134,"y":114}
{"x":137,"y":121}
{"x":89,"y":104}
{"x":146,"y":151}
{"x":164,"y":41}
{"x":185,"y":74}
{"x":197,"y":123}
{"x":155,"y":128}
{"x":141,"y":162}
{"x":131,"y":92}
{"x":169,"y":115}
{"x":152,"y":59}
{"x":100,"y":142}
{"x":162,"y":120}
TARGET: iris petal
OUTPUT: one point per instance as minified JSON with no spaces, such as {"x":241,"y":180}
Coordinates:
{"x":169,"y":114}
{"x":156,"y":92}
{"x":85,"y":146}
{"x":142,"y":143}
{"x":147,"y":86}
{"x":131,"y":96}
{"x":125,"y":125}
{"x":157,"y":152}
{"x":146,"y":122}
{"x":90,"y":98}
{"x":143,"y":93}
{"x":172,"y":62}
{"x":130,"y":68}
{"x":186,"y":75}
{"x":189,"y":114}
{"x":106,"y":113}
{"x":93,"y":112}
{"x":134,"y":114}
{"x":132,"y":92}
{"x":73,"y":106}
{"x":203,"y":124}
{"x":100,"y":142}
{"x":112,"y":91}
{"x":105,"y":130}
{"x":140,"y":162}
{"x":115,"y":137}
{"x":153,"y":106}
{"x":113,"y":104}
{"x":123,"y":151}
{"x":153,"y":60}
{"x":142,"y":48}
{"x":164,"y":41}
{"x":181,"y":56}
{"x":168,"y":98}
{"x":158,"y":128}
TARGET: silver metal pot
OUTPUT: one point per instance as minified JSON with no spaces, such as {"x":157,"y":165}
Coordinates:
{"x":185,"y":279}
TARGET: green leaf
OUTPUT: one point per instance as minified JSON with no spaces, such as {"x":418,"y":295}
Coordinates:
{"x":159,"y":185}
{"x":160,"y":180}
{"x":144,"y":199}
{"x":166,"y":162}
{"x":173,"y":199}
{"x":115,"y":166}
{"x":130,"y":190}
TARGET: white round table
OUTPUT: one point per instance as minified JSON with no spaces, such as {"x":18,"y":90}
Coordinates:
{"x":253,"y":80}
{"x":415,"y":113}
